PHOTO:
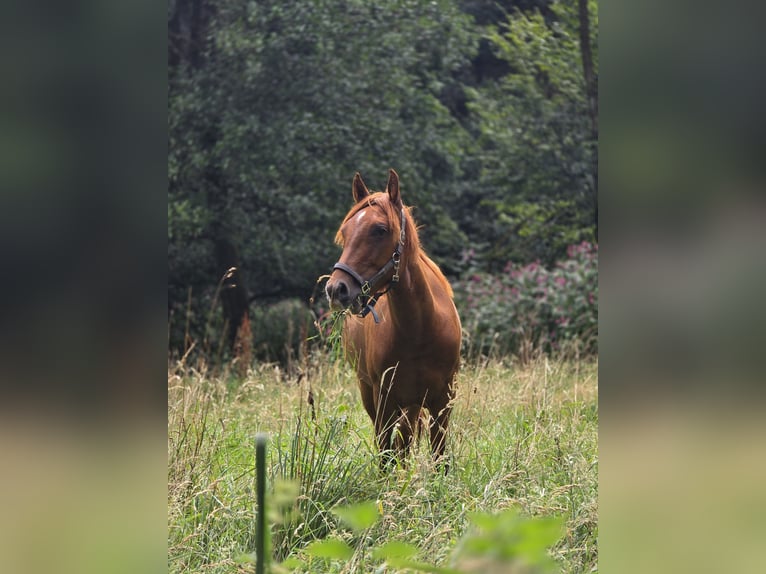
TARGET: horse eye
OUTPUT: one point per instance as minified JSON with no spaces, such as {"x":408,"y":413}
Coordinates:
{"x":378,"y":231}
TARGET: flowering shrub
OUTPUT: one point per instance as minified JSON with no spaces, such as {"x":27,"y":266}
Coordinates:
{"x":530,"y":308}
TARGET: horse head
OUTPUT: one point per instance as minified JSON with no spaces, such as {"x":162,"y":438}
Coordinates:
{"x":373,"y":238}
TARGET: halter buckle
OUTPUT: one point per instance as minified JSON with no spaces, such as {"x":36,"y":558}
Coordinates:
{"x":396,"y":257}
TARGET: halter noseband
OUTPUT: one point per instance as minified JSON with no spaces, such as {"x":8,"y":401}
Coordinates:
{"x":370,"y":295}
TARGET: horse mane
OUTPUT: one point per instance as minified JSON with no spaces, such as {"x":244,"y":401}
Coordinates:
{"x":413,"y":252}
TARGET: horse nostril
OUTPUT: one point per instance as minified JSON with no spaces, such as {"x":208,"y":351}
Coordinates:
{"x":338,"y":292}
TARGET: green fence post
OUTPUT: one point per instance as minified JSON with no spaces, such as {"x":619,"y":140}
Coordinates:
{"x":260,"y":488}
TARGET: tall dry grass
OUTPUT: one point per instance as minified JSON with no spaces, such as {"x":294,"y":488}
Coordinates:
{"x":522,"y":437}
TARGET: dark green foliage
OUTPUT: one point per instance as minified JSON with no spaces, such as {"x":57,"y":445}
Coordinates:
{"x":272,"y":107}
{"x":281,"y":330}
{"x":289,"y":100}
{"x":538,"y":179}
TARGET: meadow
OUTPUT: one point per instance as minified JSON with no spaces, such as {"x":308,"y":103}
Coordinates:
{"x":522,"y":449}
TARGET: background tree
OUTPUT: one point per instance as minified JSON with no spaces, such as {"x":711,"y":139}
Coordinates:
{"x":273,"y":106}
{"x":278,"y":106}
{"x":538,"y":144}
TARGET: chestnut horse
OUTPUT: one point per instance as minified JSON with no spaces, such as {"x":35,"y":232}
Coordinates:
{"x":407,"y":351}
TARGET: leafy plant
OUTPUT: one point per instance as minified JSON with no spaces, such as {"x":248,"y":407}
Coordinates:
{"x":496,"y":540}
{"x":508,"y":539}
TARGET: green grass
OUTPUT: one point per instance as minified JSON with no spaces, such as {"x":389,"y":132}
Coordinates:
{"x":521,"y":437}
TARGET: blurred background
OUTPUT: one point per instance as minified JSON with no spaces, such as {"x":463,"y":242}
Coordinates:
{"x":681,"y":315}
{"x":227,"y":111}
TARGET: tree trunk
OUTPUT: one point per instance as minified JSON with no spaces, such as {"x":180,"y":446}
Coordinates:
{"x":234,"y":297}
{"x":591,"y":93}
{"x":591,"y":83}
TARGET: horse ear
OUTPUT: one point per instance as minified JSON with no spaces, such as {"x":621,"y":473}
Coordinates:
{"x":392,"y":188}
{"x":358,"y":188}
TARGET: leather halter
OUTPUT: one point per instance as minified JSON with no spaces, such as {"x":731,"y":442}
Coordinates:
{"x":370,"y":288}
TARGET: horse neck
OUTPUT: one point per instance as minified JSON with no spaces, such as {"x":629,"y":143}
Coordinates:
{"x":412,"y":300}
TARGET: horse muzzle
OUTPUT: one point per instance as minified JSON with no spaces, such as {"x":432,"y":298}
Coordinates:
{"x":343,"y":295}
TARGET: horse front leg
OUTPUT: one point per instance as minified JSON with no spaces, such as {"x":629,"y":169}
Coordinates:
{"x":385,"y":426}
{"x":404,"y":431}
{"x":368,"y":394}
{"x":438,"y":424}
{"x":396,"y":434}
{"x":394,"y":429}
{"x":391,"y":437}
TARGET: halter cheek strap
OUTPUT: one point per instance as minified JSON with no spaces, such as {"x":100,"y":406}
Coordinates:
{"x":369,"y":295}
{"x":354,"y":274}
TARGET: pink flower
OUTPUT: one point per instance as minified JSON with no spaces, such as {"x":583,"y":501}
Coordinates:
{"x":467,"y":255}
